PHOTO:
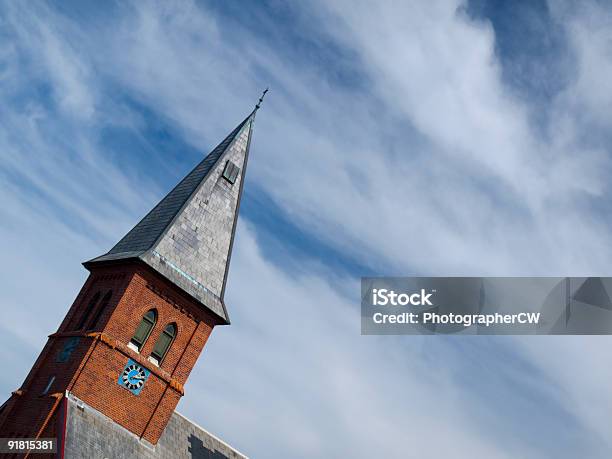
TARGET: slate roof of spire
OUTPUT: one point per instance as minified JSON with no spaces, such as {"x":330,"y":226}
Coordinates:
{"x":185,"y":239}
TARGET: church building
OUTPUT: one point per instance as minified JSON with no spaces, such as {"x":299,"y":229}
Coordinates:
{"x":107,"y":382}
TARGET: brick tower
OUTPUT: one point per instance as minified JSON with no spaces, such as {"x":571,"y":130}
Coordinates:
{"x":136,"y":328}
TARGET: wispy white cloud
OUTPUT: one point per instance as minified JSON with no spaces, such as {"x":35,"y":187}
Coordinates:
{"x":293,"y":364}
{"x":588,"y":100}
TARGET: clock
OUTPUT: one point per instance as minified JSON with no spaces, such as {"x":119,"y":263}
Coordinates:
{"x":133,"y":377}
{"x":69,"y":347}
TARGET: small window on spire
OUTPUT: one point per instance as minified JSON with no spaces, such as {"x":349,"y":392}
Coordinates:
{"x":230,"y":173}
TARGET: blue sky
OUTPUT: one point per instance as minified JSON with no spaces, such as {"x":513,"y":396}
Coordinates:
{"x":444,"y":137}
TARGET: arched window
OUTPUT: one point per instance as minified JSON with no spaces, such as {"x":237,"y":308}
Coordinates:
{"x":163,"y":343}
{"x":87,"y":311}
{"x":144,"y":330}
{"x":100,"y":310}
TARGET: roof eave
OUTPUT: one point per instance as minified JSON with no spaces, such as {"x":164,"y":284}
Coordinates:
{"x":103,"y":261}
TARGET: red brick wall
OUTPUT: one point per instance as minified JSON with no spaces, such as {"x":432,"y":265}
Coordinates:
{"x":94,"y":367}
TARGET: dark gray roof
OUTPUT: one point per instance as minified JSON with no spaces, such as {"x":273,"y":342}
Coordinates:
{"x":89,"y":433}
{"x":142,"y":240}
{"x":152,"y":226}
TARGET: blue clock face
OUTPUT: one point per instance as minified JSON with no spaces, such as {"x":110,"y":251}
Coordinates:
{"x":133,"y":377}
{"x":69,"y":347}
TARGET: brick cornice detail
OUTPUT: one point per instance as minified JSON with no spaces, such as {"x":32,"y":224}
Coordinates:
{"x":119,"y":346}
{"x":67,"y":334}
{"x":177,"y":386}
{"x":115,"y":344}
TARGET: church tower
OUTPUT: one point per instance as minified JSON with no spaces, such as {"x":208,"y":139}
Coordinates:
{"x":135,"y":330}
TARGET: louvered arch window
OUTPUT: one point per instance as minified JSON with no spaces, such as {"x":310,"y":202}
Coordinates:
{"x":144,"y":329}
{"x":87,"y":312}
{"x":103,"y":304}
{"x":164,"y":342}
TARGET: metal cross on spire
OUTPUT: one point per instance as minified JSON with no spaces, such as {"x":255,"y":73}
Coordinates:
{"x":261,"y":99}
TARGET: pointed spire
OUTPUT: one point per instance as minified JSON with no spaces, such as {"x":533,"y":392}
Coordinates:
{"x":188,"y":236}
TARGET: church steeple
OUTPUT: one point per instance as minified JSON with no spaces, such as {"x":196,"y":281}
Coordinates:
{"x":135,"y":331}
{"x":188,"y":236}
